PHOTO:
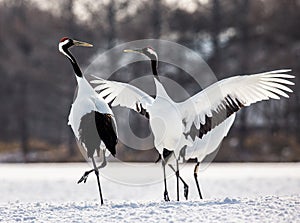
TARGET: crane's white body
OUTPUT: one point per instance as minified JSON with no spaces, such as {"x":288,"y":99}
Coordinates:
{"x":87,"y":100}
{"x":171,"y":122}
{"x":165,"y":122}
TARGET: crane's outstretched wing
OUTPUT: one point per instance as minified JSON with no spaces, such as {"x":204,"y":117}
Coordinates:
{"x":124,"y":95}
{"x":214,"y":104}
{"x":209,"y":142}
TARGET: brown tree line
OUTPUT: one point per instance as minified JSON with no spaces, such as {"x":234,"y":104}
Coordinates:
{"x":37,"y":86}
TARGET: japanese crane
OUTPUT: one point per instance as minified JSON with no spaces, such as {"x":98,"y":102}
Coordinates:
{"x":90,"y":118}
{"x":211,"y":111}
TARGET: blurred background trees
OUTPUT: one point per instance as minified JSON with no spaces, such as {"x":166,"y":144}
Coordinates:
{"x":234,"y":37}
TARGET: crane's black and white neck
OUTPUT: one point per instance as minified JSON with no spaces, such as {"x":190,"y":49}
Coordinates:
{"x":151,"y":54}
{"x":64,"y":45}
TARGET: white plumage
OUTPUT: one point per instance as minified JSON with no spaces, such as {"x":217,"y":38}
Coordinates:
{"x":244,"y":90}
{"x":87,"y":100}
{"x":211,"y":102}
{"x":209,"y":142}
{"x":211,"y":111}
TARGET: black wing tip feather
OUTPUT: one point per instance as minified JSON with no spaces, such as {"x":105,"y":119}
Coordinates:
{"x":107,"y":131}
{"x":139,"y":108}
{"x":231,"y":105}
{"x":113,"y":150}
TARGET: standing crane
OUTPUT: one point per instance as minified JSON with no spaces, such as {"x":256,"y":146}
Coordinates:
{"x":211,"y":111}
{"x":90,"y":118}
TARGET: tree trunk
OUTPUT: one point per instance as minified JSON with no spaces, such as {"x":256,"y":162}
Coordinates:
{"x":22,"y":113}
{"x":244,"y":29}
{"x":111,"y":18}
{"x":216,"y":19}
{"x":156,"y":19}
{"x":68,"y":13}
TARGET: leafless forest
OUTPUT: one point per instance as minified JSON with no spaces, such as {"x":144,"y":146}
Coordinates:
{"x":234,"y":37}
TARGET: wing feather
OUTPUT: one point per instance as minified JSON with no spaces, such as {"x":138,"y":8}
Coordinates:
{"x":216,"y":103}
{"x":122,"y":94}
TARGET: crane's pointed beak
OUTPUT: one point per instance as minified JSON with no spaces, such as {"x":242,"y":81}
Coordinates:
{"x":133,"y":51}
{"x":80,"y":43}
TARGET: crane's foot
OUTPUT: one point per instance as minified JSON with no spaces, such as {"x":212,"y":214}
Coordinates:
{"x":166,"y":196}
{"x":186,"y":191}
{"x":84,"y":177}
{"x":86,"y":174}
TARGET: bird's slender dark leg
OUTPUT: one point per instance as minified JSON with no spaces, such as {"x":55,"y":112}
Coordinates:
{"x":98,"y":180}
{"x":186,"y":186}
{"x":196,"y":179}
{"x":86,"y":174}
{"x":177,"y":179}
{"x":166,"y":196}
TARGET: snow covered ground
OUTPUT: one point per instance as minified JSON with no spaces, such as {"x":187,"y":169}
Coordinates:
{"x":133,"y":193}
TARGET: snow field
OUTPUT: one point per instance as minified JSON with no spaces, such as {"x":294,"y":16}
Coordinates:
{"x":133,"y":193}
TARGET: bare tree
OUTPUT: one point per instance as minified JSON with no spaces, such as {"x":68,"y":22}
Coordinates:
{"x":215,"y":32}
{"x":69,"y":17}
{"x":242,"y":14}
{"x":111,"y":19}
{"x":156,"y":19}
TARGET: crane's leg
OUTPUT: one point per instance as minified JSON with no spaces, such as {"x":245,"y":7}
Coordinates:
{"x":166,"y":196}
{"x":98,"y":180}
{"x":86,"y":174}
{"x":185,"y":185}
{"x":177,"y":179}
{"x":196,"y":179}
